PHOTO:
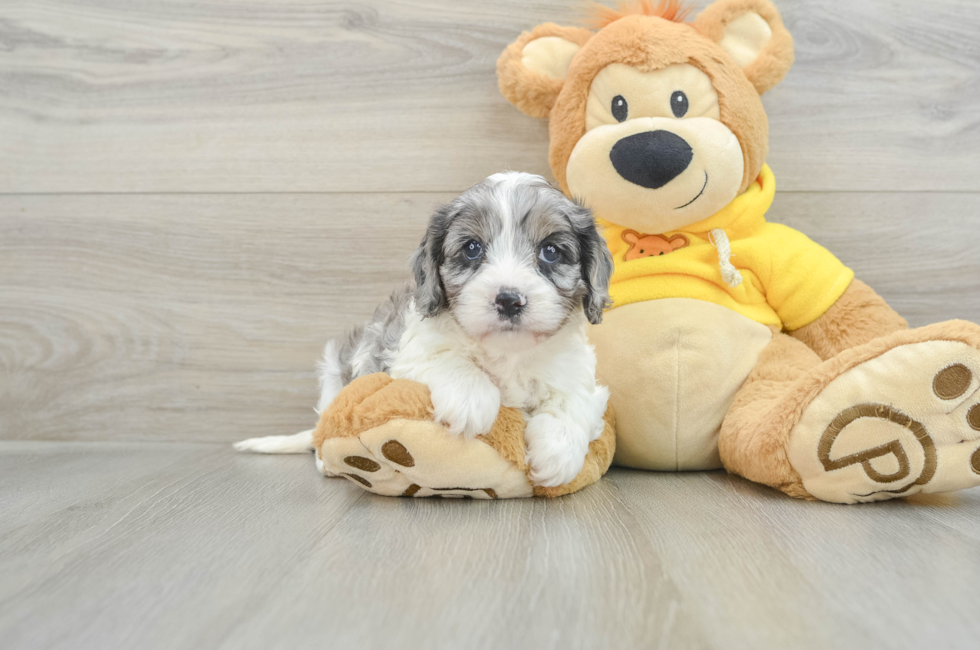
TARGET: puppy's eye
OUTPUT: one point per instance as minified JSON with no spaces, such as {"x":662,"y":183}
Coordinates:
{"x":549,"y":254}
{"x":473,"y":249}
{"x":620,"y":109}
{"x":679,"y":104}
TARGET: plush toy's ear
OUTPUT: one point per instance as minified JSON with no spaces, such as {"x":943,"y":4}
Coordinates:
{"x":752,"y":32}
{"x":631,"y":236}
{"x":532,"y":70}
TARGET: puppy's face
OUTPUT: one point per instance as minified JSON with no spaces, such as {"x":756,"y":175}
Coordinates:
{"x":512,"y":256}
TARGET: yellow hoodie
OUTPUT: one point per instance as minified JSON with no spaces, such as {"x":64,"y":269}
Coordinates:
{"x":787,"y":280}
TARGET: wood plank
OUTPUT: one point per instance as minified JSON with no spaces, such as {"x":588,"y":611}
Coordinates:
{"x":207,"y":548}
{"x":215,"y":549}
{"x":795,"y":574}
{"x":152,"y":317}
{"x":220,"y":96}
{"x":199,"y":318}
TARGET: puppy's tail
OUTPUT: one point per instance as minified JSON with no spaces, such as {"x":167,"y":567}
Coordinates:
{"x":298,"y":443}
{"x":331,"y":383}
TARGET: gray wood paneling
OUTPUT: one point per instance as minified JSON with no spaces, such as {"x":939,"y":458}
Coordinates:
{"x":789,"y":574}
{"x":185,"y":317}
{"x":226,"y":96}
{"x":206,"y":548}
{"x":200,"y":317}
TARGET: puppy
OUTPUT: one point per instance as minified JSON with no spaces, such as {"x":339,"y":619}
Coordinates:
{"x":506,"y":278}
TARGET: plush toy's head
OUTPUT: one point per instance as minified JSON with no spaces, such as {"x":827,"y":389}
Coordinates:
{"x":656,"y":123}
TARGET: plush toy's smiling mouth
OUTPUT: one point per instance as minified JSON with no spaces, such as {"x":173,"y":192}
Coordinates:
{"x":699,"y":193}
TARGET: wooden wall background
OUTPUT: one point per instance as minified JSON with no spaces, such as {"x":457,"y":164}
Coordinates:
{"x":194,"y":196}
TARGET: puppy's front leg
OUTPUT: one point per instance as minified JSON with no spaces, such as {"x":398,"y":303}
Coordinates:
{"x":558,"y":434}
{"x":463,"y":397}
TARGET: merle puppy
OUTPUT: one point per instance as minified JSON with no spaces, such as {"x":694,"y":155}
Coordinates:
{"x":506,"y":279}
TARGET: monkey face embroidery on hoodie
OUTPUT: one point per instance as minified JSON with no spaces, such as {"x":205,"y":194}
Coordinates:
{"x":652,"y":245}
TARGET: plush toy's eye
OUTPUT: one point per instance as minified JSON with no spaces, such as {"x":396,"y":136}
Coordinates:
{"x":620,"y":109}
{"x":473,"y":250}
{"x":549,"y":254}
{"x":679,"y":104}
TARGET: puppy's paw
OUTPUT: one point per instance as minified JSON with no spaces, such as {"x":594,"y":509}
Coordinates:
{"x":556,"y":449}
{"x":467,"y":408}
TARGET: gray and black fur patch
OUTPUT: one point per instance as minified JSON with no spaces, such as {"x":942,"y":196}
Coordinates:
{"x":546,"y":217}
{"x":372,"y":346}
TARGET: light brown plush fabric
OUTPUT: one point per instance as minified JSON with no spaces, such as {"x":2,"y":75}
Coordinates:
{"x":786,"y":380}
{"x":775,"y":60}
{"x":370,"y":402}
{"x":378,"y":402}
{"x":673,"y":10}
{"x":858,"y":317}
{"x":751,"y":444}
{"x":532,"y":92}
{"x":650,"y":44}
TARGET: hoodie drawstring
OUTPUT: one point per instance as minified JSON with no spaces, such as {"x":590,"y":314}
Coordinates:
{"x":731,"y":275}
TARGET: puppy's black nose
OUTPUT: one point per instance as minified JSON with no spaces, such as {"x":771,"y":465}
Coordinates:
{"x":651,"y":159}
{"x":510,"y":303}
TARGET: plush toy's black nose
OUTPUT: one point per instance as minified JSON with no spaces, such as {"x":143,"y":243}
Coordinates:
{"x":651,"y":159}
{"x":510,"y":304}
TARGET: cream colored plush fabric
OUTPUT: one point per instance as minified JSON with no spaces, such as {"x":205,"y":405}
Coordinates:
{"x":745,"y":37}
{"x":435,"y":463}
{"x":673,"y":367}
{"x":898,"y":424}
{"x":550,"y":56}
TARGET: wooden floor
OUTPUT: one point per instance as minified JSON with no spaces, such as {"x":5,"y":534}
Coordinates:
{"x":194,"y":196}
{"x":179,"y":545}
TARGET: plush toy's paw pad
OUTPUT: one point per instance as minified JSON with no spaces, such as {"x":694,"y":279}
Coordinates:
{"x":905,"y":422}
{"x":422,"y":459}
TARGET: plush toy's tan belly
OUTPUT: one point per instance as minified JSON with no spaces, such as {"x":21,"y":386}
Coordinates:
{"x":673,"y":367}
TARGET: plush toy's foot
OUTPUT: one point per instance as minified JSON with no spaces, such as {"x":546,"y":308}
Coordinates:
{"x":421,"y":459}
{"x":903,"y":422}
{"x":379,"y":434}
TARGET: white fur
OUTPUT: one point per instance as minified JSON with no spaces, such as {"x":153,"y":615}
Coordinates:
{"x":294,"y":444}
{"x":328,"y":373}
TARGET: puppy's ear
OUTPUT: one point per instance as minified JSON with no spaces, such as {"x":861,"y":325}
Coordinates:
{"x":752,"y":32}
{"x":430,"y":295}
{"x":596,"y":262}
{"x":532,"y":70}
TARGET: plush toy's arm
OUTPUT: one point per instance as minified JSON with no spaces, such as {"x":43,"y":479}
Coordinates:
{"x":858,"y":316}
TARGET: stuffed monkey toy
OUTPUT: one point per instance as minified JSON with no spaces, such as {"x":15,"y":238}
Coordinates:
{"x":734,"y":342}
